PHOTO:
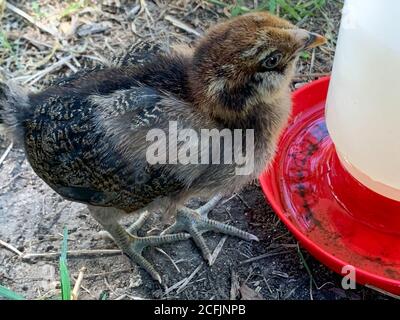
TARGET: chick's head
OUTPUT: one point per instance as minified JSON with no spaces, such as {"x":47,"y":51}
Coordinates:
{"x":251,"y":55}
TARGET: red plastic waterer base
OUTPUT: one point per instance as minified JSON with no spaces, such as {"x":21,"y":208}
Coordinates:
{"x":341,"y":222}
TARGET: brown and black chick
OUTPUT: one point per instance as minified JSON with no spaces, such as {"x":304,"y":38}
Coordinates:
{"x":87,"y":136}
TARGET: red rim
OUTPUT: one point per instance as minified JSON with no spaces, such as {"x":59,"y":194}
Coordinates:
{"x":371,"y":263}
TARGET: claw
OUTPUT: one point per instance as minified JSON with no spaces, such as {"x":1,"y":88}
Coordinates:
{"x":197,"y":224}
{"x":130,"y":243}
{"x":201,"y":243}
{"x":134,"y":247}
{"x":135,"y":227}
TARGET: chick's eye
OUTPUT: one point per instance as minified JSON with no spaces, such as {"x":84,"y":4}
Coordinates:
{"x":272,"y":61}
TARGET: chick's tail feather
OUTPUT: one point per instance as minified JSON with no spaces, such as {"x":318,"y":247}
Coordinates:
{"x":14,"y":110}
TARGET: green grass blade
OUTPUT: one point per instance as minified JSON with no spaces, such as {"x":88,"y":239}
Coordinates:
{"x":291,"y":10}
{"x":71,"y":9}
{"x":303,"y":260}
{"x":8,"y":294}
{"x":64,"y":274}
{"x":4,"y":41}
{"x":272,"y":6}
{"x":104,"y":295}
{"x":305,"y":55}
{"x":65,"y":281}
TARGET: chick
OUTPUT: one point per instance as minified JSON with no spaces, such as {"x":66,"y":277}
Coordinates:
{"x":86,"y":136}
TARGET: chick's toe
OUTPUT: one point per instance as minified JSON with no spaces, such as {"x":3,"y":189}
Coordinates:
{"x":131,"y":244}
{"x":196,"y":224}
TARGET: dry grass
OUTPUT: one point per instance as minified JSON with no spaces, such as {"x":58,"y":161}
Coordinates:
{"x":42,"y":39}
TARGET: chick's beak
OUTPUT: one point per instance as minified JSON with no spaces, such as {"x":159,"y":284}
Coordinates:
{"x":307,"y":40}
{"x":314,"y":40}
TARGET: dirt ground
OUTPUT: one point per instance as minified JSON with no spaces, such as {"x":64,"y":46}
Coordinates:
{"x":32,"y":216}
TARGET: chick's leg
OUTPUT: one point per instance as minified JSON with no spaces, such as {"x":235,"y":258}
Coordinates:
{"x":129,"y":243}
{"x":196,"y":223}
{"x":134,"y":227}
{"x":210,"y":205}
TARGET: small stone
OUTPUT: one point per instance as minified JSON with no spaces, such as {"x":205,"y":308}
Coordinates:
{"x":92,"y":28}
{"x":135,"y":281}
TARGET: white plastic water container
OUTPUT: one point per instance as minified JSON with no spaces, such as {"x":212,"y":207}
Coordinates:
{"x":363,"y":106}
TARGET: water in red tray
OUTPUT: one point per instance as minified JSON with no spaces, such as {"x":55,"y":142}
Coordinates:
{"x":331,"y":205}
{"x":338,"y":219}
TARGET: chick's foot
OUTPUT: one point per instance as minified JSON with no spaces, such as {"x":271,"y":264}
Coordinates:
{"x":133,"y":247}
{"x":131,"y":244}
{"x":196,"y":223}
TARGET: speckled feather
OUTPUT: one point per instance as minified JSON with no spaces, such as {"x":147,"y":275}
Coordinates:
{"x":66,"y":149}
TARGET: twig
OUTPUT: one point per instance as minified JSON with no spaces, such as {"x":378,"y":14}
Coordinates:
{"x":46,"y":295}
{"x":109,"y":286}
{"x":188,"y":279}
{"x":100,"y":59}
{"x":75,"y":291}
{"x":88,"y":292}
{"x":280,"y":274}
{"x":11,"y":180}
{"x":173,"y":287}
{"x":77,"y":253}
{"x":26,"y":16}
{"x":143,"y":7}
{"x":11,"y":248}
{"x":217,"y":250}
{"x":93,"y":275}
{"x":381,"y":291}
{"x":169,"y":258}
{"x":287,"y":296}
{"x":129,"y":296}
{"x":234,"y":285}
{"x":5,"y":154}
{"x":36,"y":77}
{"x":181,"y":25}
{"x":244,"y":202}
{"x":312,"y":61}
{"x":46,"y":59}
{"x":325,"y":284}
{"x":77,"y":63}
{"x":263,"y":256}
{"x":37,"y":43}
{"x":71,"y":66}
{"x":229,"y":199}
